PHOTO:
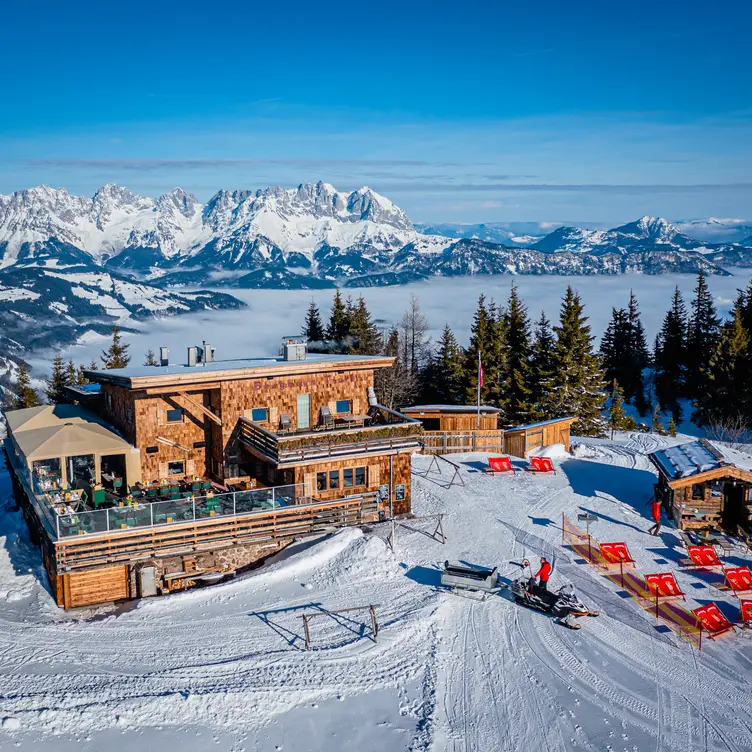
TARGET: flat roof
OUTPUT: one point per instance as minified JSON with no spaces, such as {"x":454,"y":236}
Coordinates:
{"x":451,"y":408}
{"x":539,"y":424}
{"x":225,"y":370}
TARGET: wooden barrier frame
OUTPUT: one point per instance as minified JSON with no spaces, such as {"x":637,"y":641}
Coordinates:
{"x":371,"y":608}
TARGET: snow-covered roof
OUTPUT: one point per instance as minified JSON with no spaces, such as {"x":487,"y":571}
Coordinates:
{"x":182,"y":372}
{"x":541,"y":423}
{"x":451,"y":408}
{"x":688,"y":459}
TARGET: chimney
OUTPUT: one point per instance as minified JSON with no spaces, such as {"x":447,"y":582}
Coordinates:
{"x":208,"y":353}
{"x":295,"y":348}
{"x":191,"y":356}
{"x":164,"y":357}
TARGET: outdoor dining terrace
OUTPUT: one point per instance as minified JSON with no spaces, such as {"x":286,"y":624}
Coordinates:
{"x":382,"y":430}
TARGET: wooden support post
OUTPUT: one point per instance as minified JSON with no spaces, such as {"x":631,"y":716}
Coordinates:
{"x":307,"y":633}
{"x":374,"y":624}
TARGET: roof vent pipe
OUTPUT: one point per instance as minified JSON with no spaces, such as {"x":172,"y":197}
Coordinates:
{"x":164,"y":357}
{"x":191,"y":356}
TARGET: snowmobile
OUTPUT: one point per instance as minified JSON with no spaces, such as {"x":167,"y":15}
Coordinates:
{"x":563,"y":603}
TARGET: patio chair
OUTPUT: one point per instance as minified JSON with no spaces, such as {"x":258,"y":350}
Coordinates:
{"x":206,"y":485}
{"x":285,"y":423}
{"x":151,"y":493}
{"x":325,"y":419}
{"x":196,"y":486}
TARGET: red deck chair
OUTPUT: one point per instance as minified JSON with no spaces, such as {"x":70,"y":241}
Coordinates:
{"x":541,"y":465}
{"x":746,"y":613}
{"x":712,"y":620}
{"x":499,"y":465}
{"x":739,"y":580}
{"x":616,"y":553}
{"x":663,"y":585}
{"x":702,"y":556}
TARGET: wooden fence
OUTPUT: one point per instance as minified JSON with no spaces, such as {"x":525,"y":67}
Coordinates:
{"x":448,"y":442}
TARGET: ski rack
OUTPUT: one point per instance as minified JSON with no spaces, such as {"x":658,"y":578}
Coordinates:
{"x":455,"y":467}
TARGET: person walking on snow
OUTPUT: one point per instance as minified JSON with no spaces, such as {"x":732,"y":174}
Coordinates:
{"x":543,"y":573}
{"x":656,"y":511}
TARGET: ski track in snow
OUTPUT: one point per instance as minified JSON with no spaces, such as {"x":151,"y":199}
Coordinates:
{"x":447,"y":673}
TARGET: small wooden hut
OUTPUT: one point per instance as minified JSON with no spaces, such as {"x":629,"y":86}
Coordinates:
{"x":521,"y":440}
{"x":458,"y":428}
{"x":699,"y":488}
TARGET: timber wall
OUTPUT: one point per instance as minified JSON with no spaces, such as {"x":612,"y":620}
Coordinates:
{"x":449,"y":442}
{"x":518,"y":442}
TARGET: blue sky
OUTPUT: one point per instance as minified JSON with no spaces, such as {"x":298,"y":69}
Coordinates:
{"x":492,"y":111}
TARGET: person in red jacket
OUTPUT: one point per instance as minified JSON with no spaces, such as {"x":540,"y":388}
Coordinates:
{"x":543,"y":574}
{"x":656,"y":512}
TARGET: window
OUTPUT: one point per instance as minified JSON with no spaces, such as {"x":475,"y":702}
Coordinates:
{"x":343,"y":406}
{"x":199,"y":444}
{"x":152,"y":450}
{"x":334,"y":479}
{"x":175,"y":416}
{"x":321,"y":481}
{"x":347,"y":478}
{"x":360,"y":476}
{"x":698,"y":491}
{"x":259,"y":414}
{"x":353,"y":477}
{"x":176,"y":468}
{"x":716,"y":489}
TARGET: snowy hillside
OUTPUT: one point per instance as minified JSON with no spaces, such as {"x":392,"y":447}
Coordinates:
{"x":225,"y":667}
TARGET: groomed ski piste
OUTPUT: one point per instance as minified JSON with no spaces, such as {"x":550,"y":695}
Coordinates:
{"x":226,"y":668}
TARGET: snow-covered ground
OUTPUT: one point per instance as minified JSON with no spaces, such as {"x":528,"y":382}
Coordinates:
{"x":225,"y":667}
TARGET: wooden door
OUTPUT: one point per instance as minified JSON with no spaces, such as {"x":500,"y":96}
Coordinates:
{"x":304,"y":411}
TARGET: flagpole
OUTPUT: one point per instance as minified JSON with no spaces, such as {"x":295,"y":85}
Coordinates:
{"x":479,"y":372}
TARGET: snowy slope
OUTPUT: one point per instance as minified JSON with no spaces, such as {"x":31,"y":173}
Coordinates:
{"x":224,"y":667}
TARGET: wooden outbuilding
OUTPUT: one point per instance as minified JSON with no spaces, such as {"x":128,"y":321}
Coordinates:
{"x":521,"y":440}
{"x":458,"y":428}
{"x":700,"y":489}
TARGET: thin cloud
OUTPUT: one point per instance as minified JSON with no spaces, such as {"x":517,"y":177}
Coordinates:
{"x":563,"y":187}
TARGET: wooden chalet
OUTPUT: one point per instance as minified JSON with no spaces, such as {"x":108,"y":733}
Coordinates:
{"x":458,"y":428}
{"x":521,"y":440}
{"x":700,"y":489}
{"x":173,"y":475}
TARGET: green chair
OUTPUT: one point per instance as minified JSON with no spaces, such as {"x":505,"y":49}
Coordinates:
{"x":206,"y":485}
{"x":187,"y":495}
{"x":99,"y":497}
{"x":152,"y":492}
{"x":117,"y":483}
{"x":196,"y":486}
{"x":175,"y":497}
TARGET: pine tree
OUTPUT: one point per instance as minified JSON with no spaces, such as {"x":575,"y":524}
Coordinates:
{"x":366,"y":339}
{"x":151,"y":359}
{"x":93,"y":366}
{"x":71,"y":375}
{"x":338,"y":329}
{"x":671,"y":426}
{"x":542,"y":364}
{"x":26,"y":396}
{"x":577,"y":383}
{"x":116,"y":356}
{"x":657,"y":423}
{"x":57,"y":381}
{"x":480,"y":342}
{"x":518,"y":386}
{"x":313,"y":329}
{"x":616,"y":416}
{"x":613,"y":345}
{"x":445,"y":370}
{"x":80,"y":377}
{"x":639,"y":357}
{"x":702,"y":338}
{"x":670,"y":357}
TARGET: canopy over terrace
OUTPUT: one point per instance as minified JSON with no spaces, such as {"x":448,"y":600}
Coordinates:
{"x":57,"y":433}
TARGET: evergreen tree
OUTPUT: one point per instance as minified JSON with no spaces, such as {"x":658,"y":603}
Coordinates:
{"x":57,"y":381}
{"x":151,"y":359}
{"x":639,"y":357}
{"x":670,"y":357}
{"x":80,"y":378}
{"x":671,"y":426}
{"x":338,"y":329}
{"x":313,"y":330}
{"x":702,"y":338}
{"x":616,"y":416}
{"x":613,"y":345}
{"x":657,"y":423}
{"x":542,"y":364}
{"x":518,"y":384}
{"x":93,"y":366}
{"x":366,"y":338}
{"x":480,"y":342}
{"x":116,"y":356}
{"x":26,"y":396}
{"x":577,"y":383}
{"x":71,"y":376}
{"x":445,"y":371}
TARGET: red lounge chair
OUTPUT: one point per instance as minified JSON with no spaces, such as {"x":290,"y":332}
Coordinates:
{"x":664,"y":585}
{"x":746,"y":613}
{"x":499,"y":465}
{"x":712,"y":620}
{"x":702,"y":556}
{"x":541,"y":465}
{"x":739,"y":580}
{"x":616,"y":553}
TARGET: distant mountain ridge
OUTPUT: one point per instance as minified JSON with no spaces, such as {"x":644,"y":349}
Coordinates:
{"x":315,"y":236}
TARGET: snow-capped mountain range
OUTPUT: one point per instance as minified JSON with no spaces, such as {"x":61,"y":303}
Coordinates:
{"x":314,"y":235}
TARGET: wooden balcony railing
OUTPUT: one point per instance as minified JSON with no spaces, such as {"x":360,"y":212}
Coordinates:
{"x":289,"y":449}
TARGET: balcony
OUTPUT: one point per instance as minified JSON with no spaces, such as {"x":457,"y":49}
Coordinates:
{"x":385,"y":431}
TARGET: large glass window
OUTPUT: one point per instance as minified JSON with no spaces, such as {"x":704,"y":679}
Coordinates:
{"x":175,"y":416}
{"x":321,"y":481}
{"x":334,"y":479}
{"x":343,"y":406}
{"x":360,"y":476}
{"x":81,"y":471}
{"x":46,"y":474}
{"x":347,"y":478}
{"x":176,"y":468}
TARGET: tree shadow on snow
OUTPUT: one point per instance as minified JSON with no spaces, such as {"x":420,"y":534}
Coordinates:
{"x":630,"y":486}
